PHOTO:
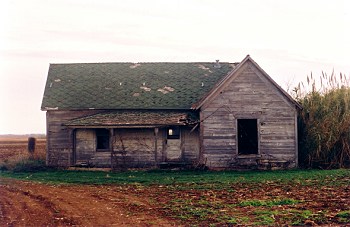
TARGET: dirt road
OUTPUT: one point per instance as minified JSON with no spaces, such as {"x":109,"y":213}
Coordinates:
{"x":34,"y":204}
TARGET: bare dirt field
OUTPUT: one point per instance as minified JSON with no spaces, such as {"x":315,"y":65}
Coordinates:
{"x":34,"y":204}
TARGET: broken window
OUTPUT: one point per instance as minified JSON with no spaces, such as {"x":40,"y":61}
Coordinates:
{"x":247,"y":136}
{"x":102,"y":139}
{"x":173,"y":133}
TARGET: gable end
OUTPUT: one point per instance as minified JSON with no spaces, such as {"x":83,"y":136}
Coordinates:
{"x":250,"y":63}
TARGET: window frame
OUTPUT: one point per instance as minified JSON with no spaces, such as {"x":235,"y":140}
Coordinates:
{"x":175,"y":135}
{"x":102,"y":136}
{"x":257,"y":146}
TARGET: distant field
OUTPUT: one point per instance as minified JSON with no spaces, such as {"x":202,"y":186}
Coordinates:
{"x":15,"y":146}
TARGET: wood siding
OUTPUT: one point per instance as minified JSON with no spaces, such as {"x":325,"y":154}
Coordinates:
{"x":135,"y":147}
{"x":60,"y":142}
{"x":249,"y":95}
{"x":131,"y":147}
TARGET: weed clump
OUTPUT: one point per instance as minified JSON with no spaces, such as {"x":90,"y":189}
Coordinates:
{"x":23,"y":164}
{"x":324,"y":122}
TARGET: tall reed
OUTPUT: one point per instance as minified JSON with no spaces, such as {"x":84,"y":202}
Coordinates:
{"x":324,"y":122}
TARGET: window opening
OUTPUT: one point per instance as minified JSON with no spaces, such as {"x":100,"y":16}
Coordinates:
{"x":247,"y":136}
{"x":102,"y":139}
{"x":173,"y":133}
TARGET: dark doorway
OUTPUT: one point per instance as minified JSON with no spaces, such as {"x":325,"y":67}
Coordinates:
{"x":247,"y":136}
{"x":102,"y":139}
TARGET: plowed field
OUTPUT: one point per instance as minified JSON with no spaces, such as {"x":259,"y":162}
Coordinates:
{"x":33,"y":204}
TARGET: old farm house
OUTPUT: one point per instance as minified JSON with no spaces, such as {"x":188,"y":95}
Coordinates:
{"x":220,"y":115}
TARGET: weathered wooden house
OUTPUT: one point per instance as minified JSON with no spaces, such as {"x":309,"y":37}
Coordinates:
{"x":220,"y":115}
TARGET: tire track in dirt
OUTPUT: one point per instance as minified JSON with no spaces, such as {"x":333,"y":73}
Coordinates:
{"x":21,"y":207}
{"x":35,"y":204}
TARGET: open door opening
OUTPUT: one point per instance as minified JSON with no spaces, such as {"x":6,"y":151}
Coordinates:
{"x":247,"y":136}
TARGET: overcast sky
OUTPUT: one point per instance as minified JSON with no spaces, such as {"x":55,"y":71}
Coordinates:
{"x":288,"y":39}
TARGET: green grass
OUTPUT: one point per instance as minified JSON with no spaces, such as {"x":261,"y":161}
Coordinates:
{"x":268,"y":203}
{"x":344,"y":216}
{"x":185,"y":179}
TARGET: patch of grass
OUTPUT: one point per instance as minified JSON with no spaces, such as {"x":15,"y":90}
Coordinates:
{"x":30,"y":165}
{"x":192,"y":210}
{"x":187,"y":180}
{"x":265,"y":220}
{"x":243,"y":220}
{"x":290,"y":216}
{"x":344,"y":216}
{"x":300,"y":216}
{"x":232,"y":220}
{"x":24,"y":164}
{"x":268,"y":203}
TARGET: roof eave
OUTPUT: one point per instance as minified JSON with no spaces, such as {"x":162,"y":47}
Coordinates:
{"x":126,"y":126}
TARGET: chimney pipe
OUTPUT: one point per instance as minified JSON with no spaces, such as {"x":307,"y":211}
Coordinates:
{"x":217,"y":64}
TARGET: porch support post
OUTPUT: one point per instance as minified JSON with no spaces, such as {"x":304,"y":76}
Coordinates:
{"x":156,"y":130}
{"x":111,"y":138}
{"x":71,"y":155}
{"x":201,"y":143}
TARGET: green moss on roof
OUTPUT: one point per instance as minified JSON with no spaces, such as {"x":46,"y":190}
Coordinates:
{"x":129,"y":85}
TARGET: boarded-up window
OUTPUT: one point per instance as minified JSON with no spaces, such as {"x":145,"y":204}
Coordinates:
{"x":102,"y":139}
{"x":247,"y":136}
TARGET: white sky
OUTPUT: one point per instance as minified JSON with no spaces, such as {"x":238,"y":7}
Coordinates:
{"x":288,"y":39}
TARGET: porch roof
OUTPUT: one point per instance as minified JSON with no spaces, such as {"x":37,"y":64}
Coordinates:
{"x":132,"y":118}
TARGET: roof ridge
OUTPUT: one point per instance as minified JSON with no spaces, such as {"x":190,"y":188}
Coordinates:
{"x":150,"y":62}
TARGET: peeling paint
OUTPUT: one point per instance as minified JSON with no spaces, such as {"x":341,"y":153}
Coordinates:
{"x":146,"y":88}
{"x":134,"y":66}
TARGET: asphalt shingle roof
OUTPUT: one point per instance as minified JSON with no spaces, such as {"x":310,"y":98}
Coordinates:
{"x":130,"y":85}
